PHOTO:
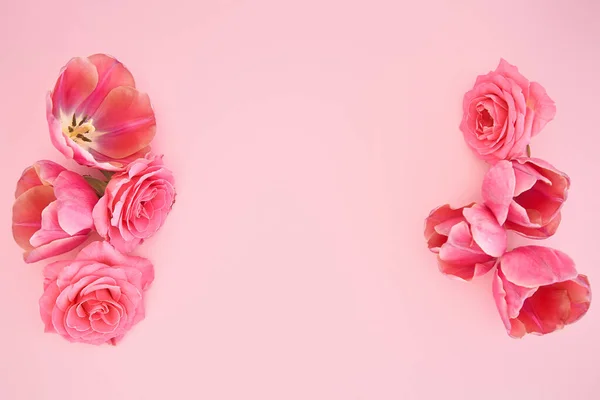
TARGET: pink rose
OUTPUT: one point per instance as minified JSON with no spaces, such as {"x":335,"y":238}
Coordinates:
{"x":52,"y":213}
{"x":537,"y":290}
{"x":96,"y":115}
{"x":97,"y":297}
{"x":503,"y":112}
{"x":136,"y":203}
{"x":467,"y":240}
{"x":526,"y":196}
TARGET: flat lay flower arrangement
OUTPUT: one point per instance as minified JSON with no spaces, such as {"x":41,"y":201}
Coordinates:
{"x":537,"y":289}
{"x":98,"y":118}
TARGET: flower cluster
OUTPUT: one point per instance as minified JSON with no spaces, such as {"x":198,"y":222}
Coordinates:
{"x":98,"y":118}
{"x":537,"y":289}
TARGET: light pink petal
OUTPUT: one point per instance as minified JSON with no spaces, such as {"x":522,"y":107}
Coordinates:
{"x":27,"y":213}
{"x":534,"y":266}
{"x":498,"y":189}
{"x":542,"y":105}
{"x":48,"y":171}
{"x":105,"y":253}
{"x":101,"y":217}
{"x":111,"y":74}
{"x":500,"y":298}
{"x":526,"y":176}
{"x":487,"y":233}
{"x":510,"y":71}
{"x":76,"y":322}
{"x":125,"y":123}
{"x":76,"y":201}
{"x":53,"y":270}
{"x":54,"y":248}
{"x":76,"y":82}
{"x":461,"y":249}
{"x":46,"y":303}
{"x":50,"y":229}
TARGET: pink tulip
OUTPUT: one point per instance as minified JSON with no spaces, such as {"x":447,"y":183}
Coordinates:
{"x":96,"y":115}
{"x":503,"y":112}
{"x":537,"y":290}
{"x":467,"y":240}
{"x":526,"y":196}
{"x":97,"y":297}
{"x":52,"y":213}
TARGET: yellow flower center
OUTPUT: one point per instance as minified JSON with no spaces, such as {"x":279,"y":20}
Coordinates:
{"x":79,"y":130}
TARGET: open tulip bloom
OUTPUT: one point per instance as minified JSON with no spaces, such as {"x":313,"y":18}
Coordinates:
{"x":96,"y":115}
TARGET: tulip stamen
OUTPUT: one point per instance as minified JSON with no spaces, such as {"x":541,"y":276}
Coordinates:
{"x":77,"y":131}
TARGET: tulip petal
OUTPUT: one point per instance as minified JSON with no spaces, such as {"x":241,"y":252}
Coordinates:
{"x":76,"y":201}
{"x":498,"y":189}
{"x":541,"y":232}
{"x":27,"y":213}
{"x":460,"y":247}
{"x":76,"y":82}
{"x":465,"y":272}
{"x":439,"y":216}
{"x":124,"y":123}
{"x":50,"y":229}
{"x":534,"y":266}
{"x":28,"y":180}
{"x":487,"y":233}
{"x":111,"y":74}
{"x":54,"y":248}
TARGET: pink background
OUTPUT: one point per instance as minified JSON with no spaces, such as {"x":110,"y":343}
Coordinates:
{"x":309,"y":140}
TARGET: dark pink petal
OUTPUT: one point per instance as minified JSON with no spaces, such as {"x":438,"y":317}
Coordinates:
{"x":465,"y":272}
{"x":498,"y":189}
{"x":541,"y":232}
{"x":111,"y":74}
{"x":27,"y":213}
{"x":76,"y":82}
{"x":124,"y":123}
{"x":436,"y":217}
{"x":28,"y":180}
